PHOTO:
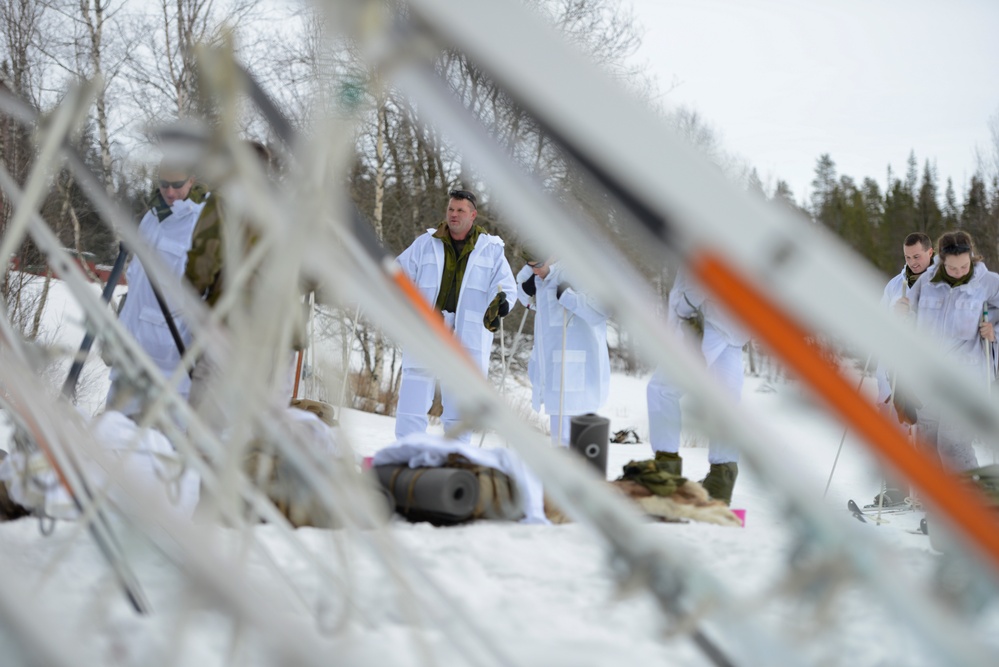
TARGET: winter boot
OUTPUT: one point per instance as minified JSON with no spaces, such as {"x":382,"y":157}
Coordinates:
{"x":721,"y":480}
{"x":892,"y":496}
{"x":669,"y":462}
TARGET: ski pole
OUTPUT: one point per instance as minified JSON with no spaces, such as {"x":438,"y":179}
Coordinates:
{"x":561,"y":382}
{"x":482,"y":439}
{"x":307,"y":346}
{"x":509,"y":357}
{"x":311,"y":356}
{"x":987,"y":348}
{"x":513,"y":349}
{"x":169,"y":319}
{"x":860,"y":384}
{"x":502,"y":355}
{"x":298,"y":375}
{"x":69,"y":387}
{"x":346,"y":364}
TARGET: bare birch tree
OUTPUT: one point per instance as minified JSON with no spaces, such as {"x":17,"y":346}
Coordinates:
{"x":161,"y":70}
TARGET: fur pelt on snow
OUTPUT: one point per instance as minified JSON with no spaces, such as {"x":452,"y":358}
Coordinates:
{"x":8,"y":508}
{"x":690,"y":502}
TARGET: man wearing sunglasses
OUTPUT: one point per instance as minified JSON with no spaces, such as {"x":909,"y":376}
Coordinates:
{"x":462,"y":270}
{"x":166,"y":227}
{"x":570,"y":333}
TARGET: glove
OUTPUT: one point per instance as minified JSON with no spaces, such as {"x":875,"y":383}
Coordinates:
{"x":693,"y":328}
{"x":106,"y":356}
{"x":692,"y":324}
{"x":529,"y":286}
{"x":905,"y":407}
{"x":561,"y":288}
{"x":497,"y":309}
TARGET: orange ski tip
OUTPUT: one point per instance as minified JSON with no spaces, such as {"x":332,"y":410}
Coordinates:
{"x":429,"y":315}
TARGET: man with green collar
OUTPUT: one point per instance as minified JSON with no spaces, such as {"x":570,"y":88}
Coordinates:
{"x":461,"y":269}
{"x":917,"y":250}
{"x":166,"y":227}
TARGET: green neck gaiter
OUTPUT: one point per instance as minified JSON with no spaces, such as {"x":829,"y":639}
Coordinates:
{"x":943,"y":277}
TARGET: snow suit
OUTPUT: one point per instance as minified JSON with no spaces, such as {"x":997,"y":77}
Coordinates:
{"x":721,"y":346}
{"x":952,"y":315}
{"x":896,"y":288}
{"x":587,"y":363}
{"x":486,"y":273}
{"x":141,"y":314}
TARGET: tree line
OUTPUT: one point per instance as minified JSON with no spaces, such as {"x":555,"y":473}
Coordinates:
{"x":402,"y":166}
{"x":874,"y":220}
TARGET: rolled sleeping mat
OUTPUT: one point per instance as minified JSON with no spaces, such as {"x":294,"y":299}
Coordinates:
{"x":589,"y":435}
{"x":438,"y":495}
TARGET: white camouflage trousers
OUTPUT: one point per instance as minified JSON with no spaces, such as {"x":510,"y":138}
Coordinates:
{"x":724,"y":361}
{"x":416,"y":395}
{"x":953,"y":442}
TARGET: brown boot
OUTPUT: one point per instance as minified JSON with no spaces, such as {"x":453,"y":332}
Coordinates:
{"x":669,"y":462}
{"x":720,"y":481}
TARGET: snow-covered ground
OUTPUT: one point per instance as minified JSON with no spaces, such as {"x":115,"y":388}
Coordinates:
{"x":501,"y":593}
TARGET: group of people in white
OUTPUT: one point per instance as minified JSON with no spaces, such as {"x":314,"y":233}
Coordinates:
{"x":462,"y":269}
{"x":951,"y":294}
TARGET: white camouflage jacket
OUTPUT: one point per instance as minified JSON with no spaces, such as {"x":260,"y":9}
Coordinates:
{"x":953,"y":314}
{"x":486,"y":274}
{"x":685,"y":296}
{"x":587,"y":362}
{"x":141,"y":315}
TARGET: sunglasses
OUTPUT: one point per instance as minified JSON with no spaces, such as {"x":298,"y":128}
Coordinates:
{"x":537,"y":265}
{"x":463,"y":194}
{"x":176,"y":185}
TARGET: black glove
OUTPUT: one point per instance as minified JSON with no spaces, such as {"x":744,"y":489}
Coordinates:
{"x":561,"y":288}
{"x":905,"y":406}
{"x":529,"y":286}
{"x":499,"y":308}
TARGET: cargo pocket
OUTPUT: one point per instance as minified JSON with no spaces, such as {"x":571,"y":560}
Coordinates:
{"x":155,"y":338}
{"x":174,"y":254}
{"x":575,"y":370}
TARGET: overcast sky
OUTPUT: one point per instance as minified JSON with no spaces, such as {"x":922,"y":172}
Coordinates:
{"x":867,"y":81}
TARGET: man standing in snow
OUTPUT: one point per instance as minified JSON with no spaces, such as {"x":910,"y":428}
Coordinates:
{"x":569,"y":366}
{"x":461,"y":270}
{"x":917,"y":249}
{"x":720,"y":342}
{"x":167,"y":227}
{"x":918,"y":252}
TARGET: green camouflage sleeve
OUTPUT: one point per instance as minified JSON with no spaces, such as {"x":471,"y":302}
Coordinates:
{"x":204,"y":259}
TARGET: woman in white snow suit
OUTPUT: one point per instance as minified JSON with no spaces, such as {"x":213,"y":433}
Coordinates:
{"x":542,"y":287}
{"x":720,"y":341}
{"x":949,"y":301}
{"x":167,"y":228}
{"x":462,"y":270}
